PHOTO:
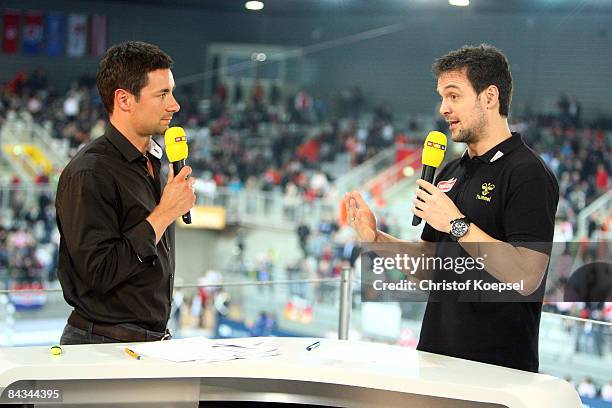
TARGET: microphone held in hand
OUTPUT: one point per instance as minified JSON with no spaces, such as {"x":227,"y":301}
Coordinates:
{"x":176,"y":149}
{"x":433,"y":154}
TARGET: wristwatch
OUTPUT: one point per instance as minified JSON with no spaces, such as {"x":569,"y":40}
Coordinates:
{"x":459,"y":228}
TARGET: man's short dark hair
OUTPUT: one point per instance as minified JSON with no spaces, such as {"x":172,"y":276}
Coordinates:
{"x":125,"y":66}
{"x":485,"y":65}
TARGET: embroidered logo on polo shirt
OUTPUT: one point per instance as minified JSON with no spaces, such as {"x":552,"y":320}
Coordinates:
{"x":446,"y":185}
{"x":486,"y":189}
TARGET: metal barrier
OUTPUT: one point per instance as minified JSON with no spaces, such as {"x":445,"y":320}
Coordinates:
{"x":602,"y":203}
{"x":393,"y":174}
{"x":345,"y":293}
{"x":346,"y":280}
{"x":245,"y":207}
{"x":267,"y":208}
{"x":21,"y":129}
{"x":345,"y":304}
{"x":577,"y":319}
{"x":24,"y":194}
{"x":567,"y":343}
{"x":359,"y":175}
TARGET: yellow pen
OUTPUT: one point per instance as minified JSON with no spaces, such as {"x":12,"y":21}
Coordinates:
{"x":132,"y":353}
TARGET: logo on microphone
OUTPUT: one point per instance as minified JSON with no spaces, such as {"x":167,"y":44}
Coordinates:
{"x":435,"y":145}
{"x":486,"y":189}
{"x":446,"y":185}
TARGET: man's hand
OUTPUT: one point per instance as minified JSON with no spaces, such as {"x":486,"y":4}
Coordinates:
{"x":177,"y":199}
{"x":435,"y":207}
{"x":178,"y":196}
{"x":360,"y":217}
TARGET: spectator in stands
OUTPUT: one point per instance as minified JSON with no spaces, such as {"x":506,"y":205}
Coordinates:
{"x":587,"y":389}
{"x":606,"y":392}
{"x":72,"y":104}
{"x":319,"y":183}
{"x":303,"y":232}
{"x":574,"y":111}
{"x":238,"y":92}
{"x":302,"y":106}
{"x":17,"y":84}
{"x":291,"y":199}
{"x":264,"y":326}
{"x":594,"y":224}
{"x":328,"y":226}
{"x":264,"y":268}
{"x":601,"y":179}
{"x":275,"y":95}
{"x":563,"y":105}
{"x":38,"y":81}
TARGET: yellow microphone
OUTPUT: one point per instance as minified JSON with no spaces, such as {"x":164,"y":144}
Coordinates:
{"x":177,"y":151}
{"x":433,"y":154}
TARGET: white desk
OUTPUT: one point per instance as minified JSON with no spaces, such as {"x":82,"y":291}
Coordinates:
{"x":348,"y":374}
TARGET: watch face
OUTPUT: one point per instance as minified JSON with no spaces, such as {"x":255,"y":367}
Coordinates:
{"x":459,"y":228}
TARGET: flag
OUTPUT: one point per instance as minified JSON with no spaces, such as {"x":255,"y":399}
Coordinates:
{"x":98,"y":36}
{"x":10,"y":32}
{"x":32,"y":33}
{"x":77,"y":35}
{"x":54,"y":34}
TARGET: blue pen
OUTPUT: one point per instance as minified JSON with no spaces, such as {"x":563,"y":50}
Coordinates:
{"x":313,"y":346}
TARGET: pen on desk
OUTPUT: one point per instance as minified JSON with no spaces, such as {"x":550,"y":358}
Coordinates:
{"x":132,"y":353}
{"x":313,"y":346}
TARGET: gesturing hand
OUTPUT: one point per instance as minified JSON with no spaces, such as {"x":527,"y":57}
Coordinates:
{"x":360,"y":217}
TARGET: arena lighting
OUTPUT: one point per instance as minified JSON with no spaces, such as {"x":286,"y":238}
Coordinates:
{"x":254,"y":5}
{"x":408,"y":171}
{"x":459,"y":3}
{"x":258,"y":56}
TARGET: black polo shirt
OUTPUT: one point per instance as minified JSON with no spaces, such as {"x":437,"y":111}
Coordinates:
{"x":510,"y":194}
{"x":110,"y":268}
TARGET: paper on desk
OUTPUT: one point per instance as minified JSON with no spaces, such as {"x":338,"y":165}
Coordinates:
{"x":207,"y":350}
{"x":370,"y":353}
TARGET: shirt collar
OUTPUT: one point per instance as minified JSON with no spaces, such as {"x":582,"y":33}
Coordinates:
{"x":502,"y":149}
{"x":155,"y":149}
{"x":126,"y":148}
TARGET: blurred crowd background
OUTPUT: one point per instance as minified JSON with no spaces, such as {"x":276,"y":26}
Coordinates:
{"x":284,"y":116}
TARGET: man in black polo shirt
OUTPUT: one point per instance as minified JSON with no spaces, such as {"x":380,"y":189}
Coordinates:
{"x":116,"y":264}
{"x":498,"y":193}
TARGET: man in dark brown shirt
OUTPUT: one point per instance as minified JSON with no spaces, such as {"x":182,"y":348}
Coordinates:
{"x":116,"y":263}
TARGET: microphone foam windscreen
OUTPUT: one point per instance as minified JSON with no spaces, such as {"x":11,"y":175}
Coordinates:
{"x":176,"y":144}
{"x":433,"y":149}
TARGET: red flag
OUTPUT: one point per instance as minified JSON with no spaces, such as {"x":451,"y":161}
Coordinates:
{"x":10,"y":32}
{"x":98,"y":36}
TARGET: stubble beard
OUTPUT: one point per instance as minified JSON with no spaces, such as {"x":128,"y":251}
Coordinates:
{"x":475,"y":132}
